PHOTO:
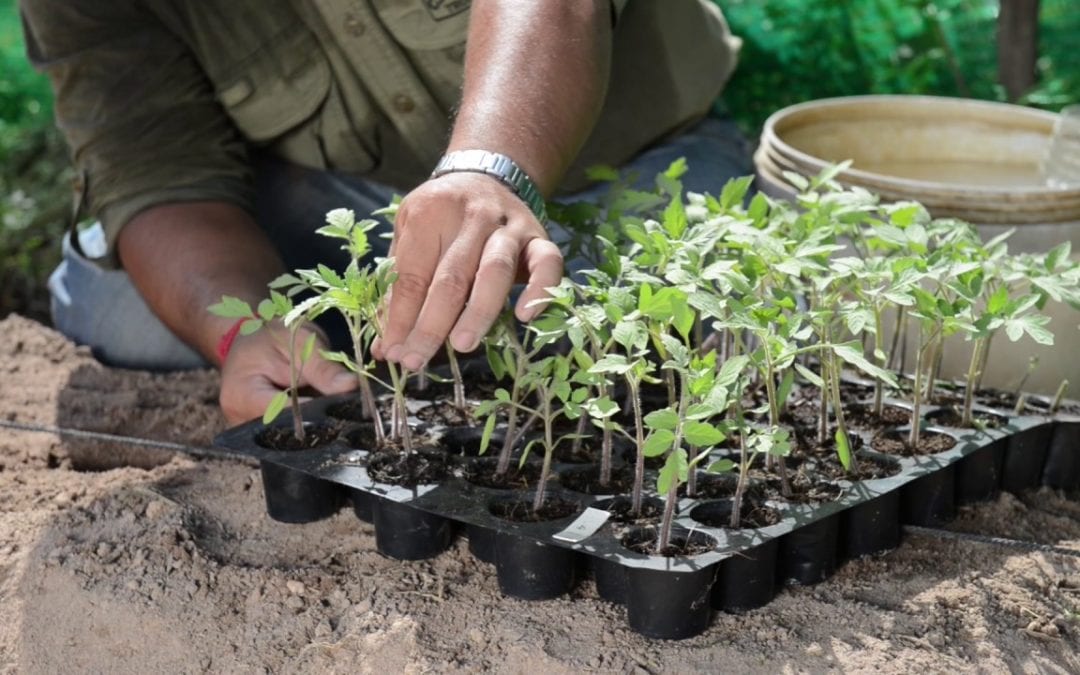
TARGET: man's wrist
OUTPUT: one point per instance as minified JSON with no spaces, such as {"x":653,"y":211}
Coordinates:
{"x":500,"y":167}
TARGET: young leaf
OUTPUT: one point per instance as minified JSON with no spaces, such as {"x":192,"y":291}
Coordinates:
{"x":998,"y":301}
{"x":851,"y":352}
{"x":721,"y":466}
{"x":1033,"y":325}
{"x":843,"y":449}
{"x":731,"y":370}
{"x":734,"y":191}
{"x":658,"y":443}
{"x":674,"y":219}
{"x":495,"y":361}
{"x":811,"y":377}
{"x":231,"y":308}
{"x":612,"y":363}
{"x":525,"y":452}
{"x":266,"y":309}
{"x":676,"y":470}
{"x":702,"y":434}
{"x":784,"y":390}
{"x":250,"y":327}
{"x":276,"y":405}
{"x":665,"y":418}
{"x":602,"y":408}
{"x":485,"y":438}
{"x":309,"y":348}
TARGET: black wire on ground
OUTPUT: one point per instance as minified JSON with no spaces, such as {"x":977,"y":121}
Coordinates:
{"x":1002,"y":542}
{"x":194,"y":451}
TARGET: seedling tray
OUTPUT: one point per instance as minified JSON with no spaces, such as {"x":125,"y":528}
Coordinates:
{"x":665,"y":597}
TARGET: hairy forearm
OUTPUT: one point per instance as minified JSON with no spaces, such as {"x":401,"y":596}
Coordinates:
{"x":535,"y":78}
{"x":184,"y":257}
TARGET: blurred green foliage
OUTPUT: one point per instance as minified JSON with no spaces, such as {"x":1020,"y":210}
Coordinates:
{"x":799,"y":50}
{"x":34,"y":177}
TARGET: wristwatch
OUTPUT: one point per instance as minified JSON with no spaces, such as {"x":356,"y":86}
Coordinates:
{"x":499,"y":167}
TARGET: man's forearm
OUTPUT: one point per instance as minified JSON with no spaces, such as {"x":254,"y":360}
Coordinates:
{"x":535,"y":78}
{"x":184,"y":257}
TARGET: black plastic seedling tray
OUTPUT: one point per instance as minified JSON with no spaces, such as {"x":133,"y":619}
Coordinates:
{"x":665,"y":597}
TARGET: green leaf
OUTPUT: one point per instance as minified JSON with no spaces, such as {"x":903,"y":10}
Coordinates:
{"x":732,"y":368}
{"x":657,"y":443}
{"x":665,"y":418}
{"x":495,"y":361}
{"x":682,"y":317}
{"x":612,"y":363}
{"x":1033,"y":325}
{"x":759,"y":208}
{"x":341,"y":219}
{"x":285,"y":281}
{"x":525,"y":452}
{"x":266,"y":309}
{"x":309,"y":348}
{"x":830,"y":172}
{"x":675,"y":472}
{"x":674,"y":219}
{"x":602,"y":408}
{"x":851,"y":352}
{"x":998,"y":301}
{"x":798,"y":181}
{"x":734,"y":191}
{"x":231,"y":308}
{"x":630,"y":334}
{"x":702,"y":434}
{"x":250,"y":327}
{"x":602,"y":172}
{"x":784,"y":390}
{"x":276,"y":405}
{"x":1057,"y":255}
{"x":562,"y":368}
{"x":330,"y":276}
{"x":810,"y":376}
{"x":721,"y":466}
{"x":843,"y":450}
{"x":485,"y":438}
{"x":339,"y":357}
{"x":502,"y":395}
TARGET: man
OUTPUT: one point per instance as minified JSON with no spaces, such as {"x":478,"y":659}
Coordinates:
{"x":210,"y":137}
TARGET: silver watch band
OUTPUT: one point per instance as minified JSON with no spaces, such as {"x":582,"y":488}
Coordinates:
{"x":500,"y":167}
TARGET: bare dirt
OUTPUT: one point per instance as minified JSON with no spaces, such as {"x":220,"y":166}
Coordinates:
{"x":122,"y":560}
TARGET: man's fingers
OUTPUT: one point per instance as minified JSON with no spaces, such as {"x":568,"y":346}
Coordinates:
{"x":247,"y":398}
{"x":328,"y":377}
{"x":414,"y":262}
{"x":494,"y":278}
{"x":544,"y":263}
{"x":449,"y":291}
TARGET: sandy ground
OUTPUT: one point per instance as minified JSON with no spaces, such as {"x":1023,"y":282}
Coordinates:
{"x":116,"y":560}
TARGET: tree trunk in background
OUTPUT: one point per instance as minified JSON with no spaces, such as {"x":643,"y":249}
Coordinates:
{"x":1018,"y":45}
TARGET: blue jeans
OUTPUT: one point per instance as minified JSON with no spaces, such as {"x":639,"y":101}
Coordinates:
{"x":101,"y":308}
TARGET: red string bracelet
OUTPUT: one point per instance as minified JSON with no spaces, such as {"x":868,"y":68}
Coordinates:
{"x":226,"y":341}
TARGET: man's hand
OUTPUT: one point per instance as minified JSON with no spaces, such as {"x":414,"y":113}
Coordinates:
{"x":460,"y":243}
{"x":257,"y":368}
{"x":535,"y":78}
